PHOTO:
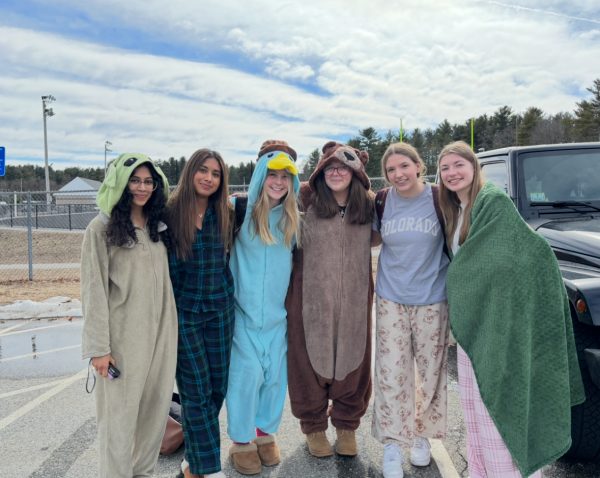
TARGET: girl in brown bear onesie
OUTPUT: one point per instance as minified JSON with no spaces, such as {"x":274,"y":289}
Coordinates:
{"x":329,"y":302}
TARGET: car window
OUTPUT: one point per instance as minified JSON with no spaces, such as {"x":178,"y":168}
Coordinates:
{"x":497,"y":173}
{"x":565,"y":175}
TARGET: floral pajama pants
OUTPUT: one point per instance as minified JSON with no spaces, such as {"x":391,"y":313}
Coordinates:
{"x":410,"y":371}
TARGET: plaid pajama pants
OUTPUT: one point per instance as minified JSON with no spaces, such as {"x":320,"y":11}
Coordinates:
{"x":203,"y":356}
{"x":487,"y":454}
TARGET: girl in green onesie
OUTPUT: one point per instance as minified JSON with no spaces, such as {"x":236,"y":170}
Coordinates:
{"x":130,"y":320}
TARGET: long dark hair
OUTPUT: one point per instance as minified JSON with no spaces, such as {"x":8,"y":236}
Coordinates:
{"x":182,"y":203}
{"x":359,"y":208}
{"x":120,"y":230}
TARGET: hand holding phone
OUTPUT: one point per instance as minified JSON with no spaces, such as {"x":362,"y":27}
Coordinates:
{"x":104,"y":366}
{"x":113,"y":372}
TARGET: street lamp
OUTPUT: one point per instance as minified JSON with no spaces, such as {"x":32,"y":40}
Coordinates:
{"x":47,"y":112}
{"x":106,"y":149}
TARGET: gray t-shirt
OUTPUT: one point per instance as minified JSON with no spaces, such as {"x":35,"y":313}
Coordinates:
{"x":412,"y":264}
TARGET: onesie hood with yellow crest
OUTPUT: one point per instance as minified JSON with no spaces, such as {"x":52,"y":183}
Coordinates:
{"x":277,"y":155}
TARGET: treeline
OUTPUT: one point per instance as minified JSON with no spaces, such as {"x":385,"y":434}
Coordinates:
{"x":502,"y":128}
{"x":31,"y":178}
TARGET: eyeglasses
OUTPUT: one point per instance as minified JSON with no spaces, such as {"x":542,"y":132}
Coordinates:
{"x":342,"y":170}
{"x":137,"y":182}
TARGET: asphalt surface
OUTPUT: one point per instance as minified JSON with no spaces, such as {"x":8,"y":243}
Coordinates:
{"x":47,"y":424}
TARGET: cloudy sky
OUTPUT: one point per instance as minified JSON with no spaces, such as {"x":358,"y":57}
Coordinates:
{"x":167,"y":78}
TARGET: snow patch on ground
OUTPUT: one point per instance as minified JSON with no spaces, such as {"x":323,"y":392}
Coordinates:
{"x":52,"y":307}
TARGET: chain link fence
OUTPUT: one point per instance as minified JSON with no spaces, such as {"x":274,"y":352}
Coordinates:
{"x":41,"y":233}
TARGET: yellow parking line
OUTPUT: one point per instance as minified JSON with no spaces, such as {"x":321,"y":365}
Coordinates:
{"x":35,"y":329}
{"x":29,"y":389}
{"x":8,"y":329}
{"x":35,"y":354}
{"x":41,"y":399}
{"x":443,"y":460}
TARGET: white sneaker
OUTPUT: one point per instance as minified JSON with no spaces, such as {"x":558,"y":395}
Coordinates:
{"x":420,"y":453}
{"x":392,"y":461}
{"x":185,"y":465}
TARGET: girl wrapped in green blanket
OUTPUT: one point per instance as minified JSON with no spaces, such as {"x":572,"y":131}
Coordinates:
{"x":509,"y":312}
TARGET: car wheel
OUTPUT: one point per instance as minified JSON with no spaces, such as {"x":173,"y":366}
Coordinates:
{"x":585,"y":418}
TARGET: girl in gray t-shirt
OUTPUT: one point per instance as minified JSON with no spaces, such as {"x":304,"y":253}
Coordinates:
{"x":411,"y":314}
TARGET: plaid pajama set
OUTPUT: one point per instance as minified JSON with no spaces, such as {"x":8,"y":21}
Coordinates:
{"x":203,"y":287}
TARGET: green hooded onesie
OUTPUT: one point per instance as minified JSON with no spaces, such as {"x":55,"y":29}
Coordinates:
{"x":129,"y":312}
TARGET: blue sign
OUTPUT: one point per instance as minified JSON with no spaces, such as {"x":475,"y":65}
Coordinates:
{"x":2,"y":161}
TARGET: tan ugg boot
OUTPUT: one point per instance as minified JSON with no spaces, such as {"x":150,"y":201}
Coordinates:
{"x":245,"y":458}
{"x":346,"y":442}
{"x":268,"y":451}
{"x":318,"y":445}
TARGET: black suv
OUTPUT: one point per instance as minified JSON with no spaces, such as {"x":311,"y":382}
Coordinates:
{"x":556,"y":188}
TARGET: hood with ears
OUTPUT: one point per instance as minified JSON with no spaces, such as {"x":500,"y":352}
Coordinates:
{"x":117,"y":178}
{"x":348,"y":156}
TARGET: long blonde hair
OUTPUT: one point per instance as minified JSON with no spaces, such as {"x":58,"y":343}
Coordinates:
{"x":449,"y":201}
{"x":289,"y":223}
{"x":181,"y":205}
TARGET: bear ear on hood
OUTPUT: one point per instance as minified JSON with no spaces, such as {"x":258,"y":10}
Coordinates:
{"x":327,"y":147}
{"x":363,"y":156}
{"x":348,"y":155}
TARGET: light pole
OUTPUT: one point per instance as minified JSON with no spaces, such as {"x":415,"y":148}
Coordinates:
{"x":47,"y":112}
{"x":106,"y":149}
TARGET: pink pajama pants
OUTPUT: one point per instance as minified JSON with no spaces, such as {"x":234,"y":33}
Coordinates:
{"x":487,"y":454}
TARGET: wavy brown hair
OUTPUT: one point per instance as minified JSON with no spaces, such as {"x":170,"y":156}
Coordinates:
{"x":181,"y":205}
{"x":449,"y":202}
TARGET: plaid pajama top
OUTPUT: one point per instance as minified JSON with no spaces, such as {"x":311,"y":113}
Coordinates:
{"x":204,"y":282}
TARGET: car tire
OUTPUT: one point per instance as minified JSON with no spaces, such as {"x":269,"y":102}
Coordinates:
{"x":585,"y":418}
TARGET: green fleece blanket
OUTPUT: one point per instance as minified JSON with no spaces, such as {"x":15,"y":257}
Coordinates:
{"x":509,"y":311}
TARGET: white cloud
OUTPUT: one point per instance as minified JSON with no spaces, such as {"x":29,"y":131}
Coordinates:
{"x":285,"y":70}
{"x":305,"y":72}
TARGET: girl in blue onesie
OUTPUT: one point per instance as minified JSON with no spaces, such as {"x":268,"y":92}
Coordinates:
{"x":261,"y":264}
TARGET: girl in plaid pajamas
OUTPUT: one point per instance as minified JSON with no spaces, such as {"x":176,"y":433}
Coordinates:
{"x":200,"y":218}
{"x":261,"y":263}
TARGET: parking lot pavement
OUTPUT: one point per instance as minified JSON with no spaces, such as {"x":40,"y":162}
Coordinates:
{"x":47,"y":424}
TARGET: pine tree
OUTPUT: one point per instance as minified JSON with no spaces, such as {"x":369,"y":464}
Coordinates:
{"x":526,"y":126}
{"x":310,"y":165}
{"x":587,"y":116}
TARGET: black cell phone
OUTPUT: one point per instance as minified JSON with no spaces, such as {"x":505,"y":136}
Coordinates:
{"x":113,"y":372}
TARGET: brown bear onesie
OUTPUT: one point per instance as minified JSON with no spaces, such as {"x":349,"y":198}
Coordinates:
{"x":329,"y":310}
